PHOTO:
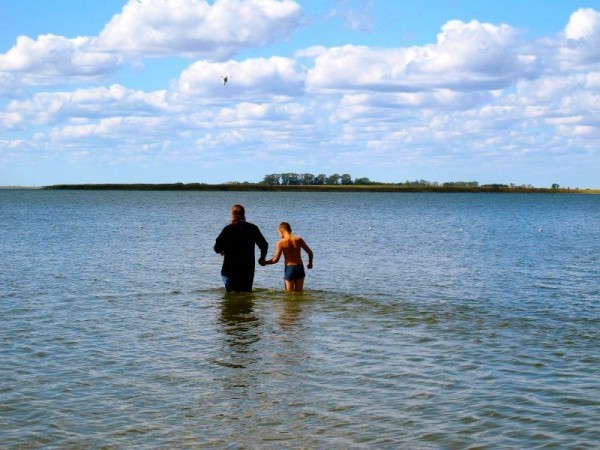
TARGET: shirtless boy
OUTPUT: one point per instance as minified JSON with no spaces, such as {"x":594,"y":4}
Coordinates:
{"x":291,"y":247}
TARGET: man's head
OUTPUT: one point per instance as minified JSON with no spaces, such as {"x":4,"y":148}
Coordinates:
{"x":238,"y":213}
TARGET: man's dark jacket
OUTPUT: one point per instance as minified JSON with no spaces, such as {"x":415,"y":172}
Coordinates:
{"x":236,"y":242}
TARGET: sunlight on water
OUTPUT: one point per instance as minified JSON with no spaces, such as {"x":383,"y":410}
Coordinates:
{"x":431,"y":321}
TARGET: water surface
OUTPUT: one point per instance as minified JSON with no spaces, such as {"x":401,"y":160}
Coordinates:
{"x":429,"y":320}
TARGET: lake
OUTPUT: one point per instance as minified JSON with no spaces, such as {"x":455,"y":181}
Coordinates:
{"x":429,"y":321}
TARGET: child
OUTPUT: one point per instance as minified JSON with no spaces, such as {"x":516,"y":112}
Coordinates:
{"x":291,"y":247}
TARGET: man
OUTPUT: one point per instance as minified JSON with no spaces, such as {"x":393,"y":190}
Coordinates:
{"x":236,"y":243}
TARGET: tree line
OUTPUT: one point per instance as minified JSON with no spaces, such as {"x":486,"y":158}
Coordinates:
{"x":308,"y":179}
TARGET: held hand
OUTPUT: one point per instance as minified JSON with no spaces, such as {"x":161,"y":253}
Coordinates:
{"x":262,"y":262}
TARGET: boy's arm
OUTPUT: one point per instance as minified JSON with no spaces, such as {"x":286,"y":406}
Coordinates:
{"x":309,"y":252}
{"x":276,"y":256}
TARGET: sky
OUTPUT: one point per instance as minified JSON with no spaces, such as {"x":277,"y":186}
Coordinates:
{"x":115,"y":91}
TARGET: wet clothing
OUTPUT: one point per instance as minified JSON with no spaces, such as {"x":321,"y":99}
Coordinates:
{"x":295,"y":272}
{"x":236,"y":242}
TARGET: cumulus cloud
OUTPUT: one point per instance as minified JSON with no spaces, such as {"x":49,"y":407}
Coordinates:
{"x":582,"y":35}
{"x":197,"y":28}
{"x":583,"y":24}
{"x":54,"y":107}
{"x":51,"y":60}
{"x":478,"y":91}
{"x":467,"y":56}
{"x":151,"y":28}
{"x":273,"y":77}
{"x":569,"y":103}
{"x":259,"y":114}
{"x":110,"y":128}
{"x":10,"y":86}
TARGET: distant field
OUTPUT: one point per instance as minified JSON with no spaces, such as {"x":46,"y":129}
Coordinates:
{"x":312,"y":188}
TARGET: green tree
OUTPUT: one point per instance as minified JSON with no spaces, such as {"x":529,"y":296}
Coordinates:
{"x":320,"y":179}
{"x":333,"y":179}
{"x":308,"y":178}
{"x":293,"y":179}
{"x":272,"y":179}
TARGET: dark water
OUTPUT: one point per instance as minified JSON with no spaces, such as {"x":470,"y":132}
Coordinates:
{"x":429,"y":321}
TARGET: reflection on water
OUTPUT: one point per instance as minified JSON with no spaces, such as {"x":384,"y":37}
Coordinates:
{"x":292,"y":313}
{"x":240,"y":327}
{"x":254,"y":338}
{"x":237,"y":312}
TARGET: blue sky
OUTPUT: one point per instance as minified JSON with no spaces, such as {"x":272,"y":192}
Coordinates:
{"x":447,"y":90}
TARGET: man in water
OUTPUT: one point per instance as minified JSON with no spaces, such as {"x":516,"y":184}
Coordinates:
{"x":236,"y":243}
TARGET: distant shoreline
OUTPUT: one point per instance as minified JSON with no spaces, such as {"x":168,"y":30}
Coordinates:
{"x":22,"y":187}
{"x":309,"y":188}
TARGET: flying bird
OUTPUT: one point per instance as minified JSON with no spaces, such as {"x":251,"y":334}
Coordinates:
{"x":225,"y":79}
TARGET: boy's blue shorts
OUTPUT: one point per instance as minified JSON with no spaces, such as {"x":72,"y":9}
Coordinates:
{"x":294,"y":272}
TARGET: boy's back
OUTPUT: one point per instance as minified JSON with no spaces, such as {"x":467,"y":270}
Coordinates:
{"x":291,"y":247}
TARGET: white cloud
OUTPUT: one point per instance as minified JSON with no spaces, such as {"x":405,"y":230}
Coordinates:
{"x":467,"y":56}
{"x":479,"y":93}
{"x":583,"y":24}
{"x":567,"y":103}
{"x":258,"y":114}
{"x":261,"y":77}
{"x":52,"y":60}
{"x":55,"y":107}
{"x":580,"y":48}
{"x":112,"y":128}
{"x":9,"y":120}
{"x":10,"y":85}
{"x":214,"y":31}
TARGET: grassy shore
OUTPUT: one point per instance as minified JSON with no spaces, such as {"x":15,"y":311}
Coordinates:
{"x":317,"y":188}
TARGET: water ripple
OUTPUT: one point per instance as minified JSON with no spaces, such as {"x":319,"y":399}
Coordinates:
{"x":411,"y":335}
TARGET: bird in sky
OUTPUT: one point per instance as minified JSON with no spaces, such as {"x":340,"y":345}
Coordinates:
{"x":225,"y":79}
